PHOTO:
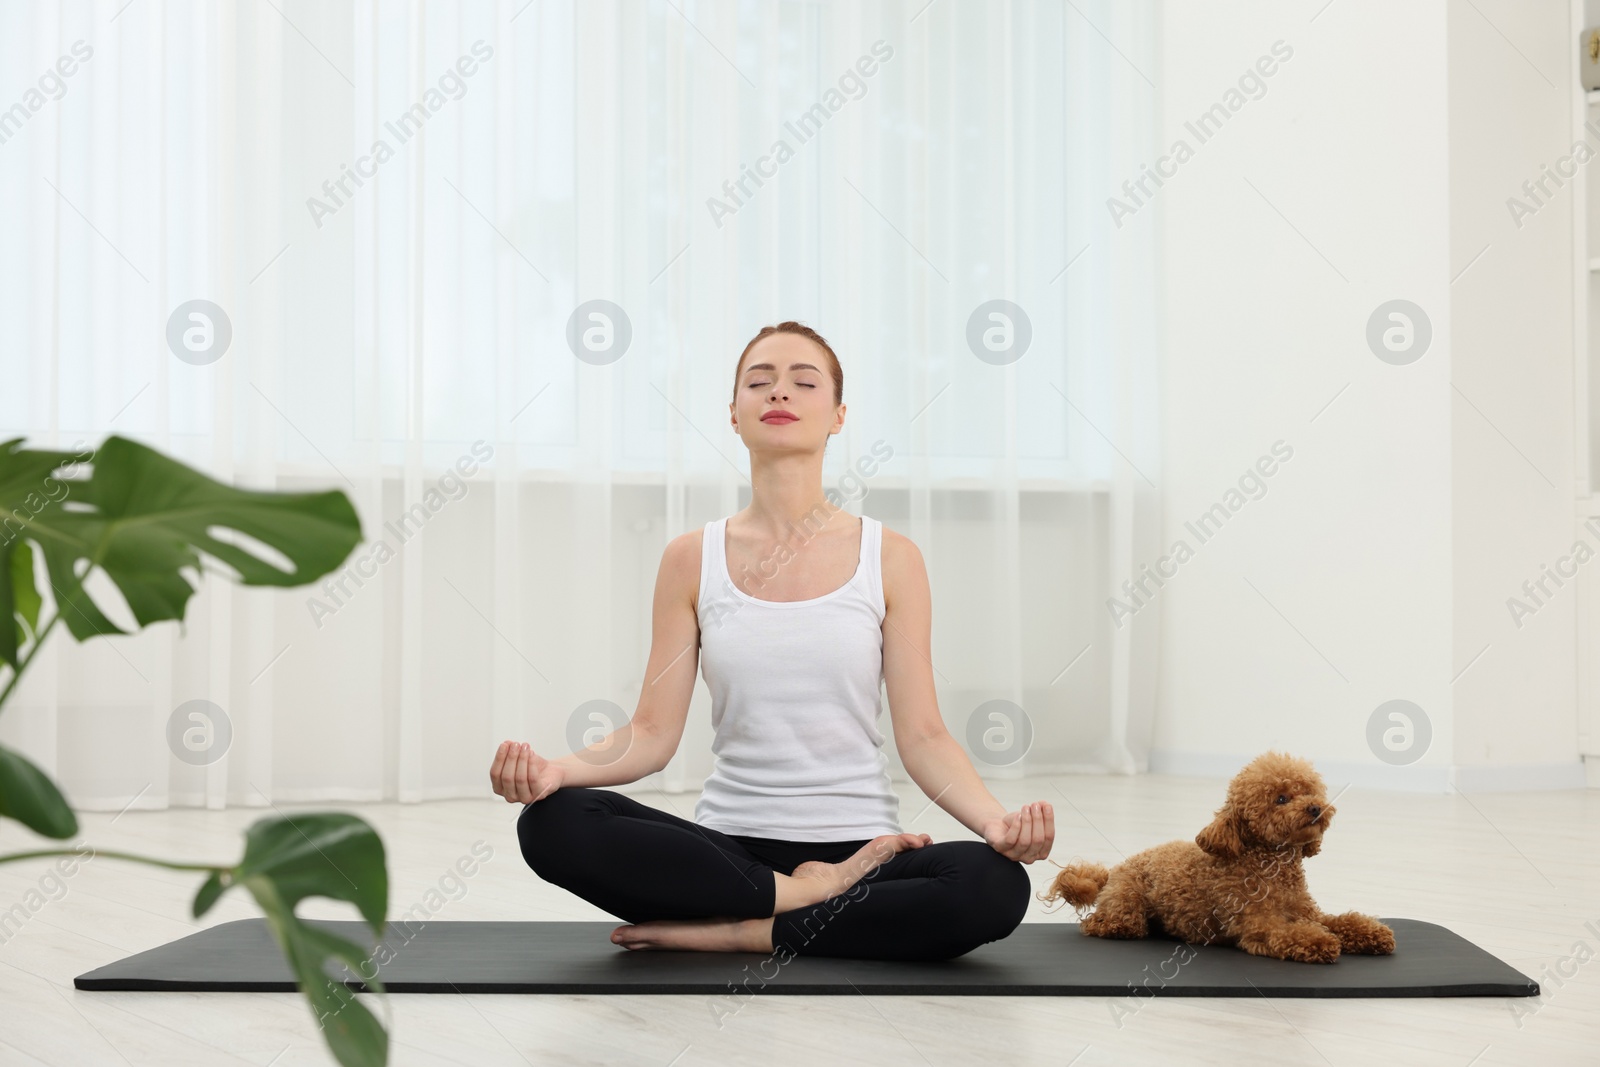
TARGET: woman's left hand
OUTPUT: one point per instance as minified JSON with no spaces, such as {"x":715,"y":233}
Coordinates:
{"x":1024,"y":835}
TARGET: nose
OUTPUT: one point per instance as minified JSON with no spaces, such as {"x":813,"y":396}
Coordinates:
{"x":1314,"y":810}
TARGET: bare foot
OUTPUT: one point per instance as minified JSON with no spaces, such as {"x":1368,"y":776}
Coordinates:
{"x":697,"y":935}
{"x":831,"y":879}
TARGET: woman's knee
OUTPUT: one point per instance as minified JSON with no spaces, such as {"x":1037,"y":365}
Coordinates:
{"x":546,"y":827}
{"x":1013,"y":889}
{"x":995,"y":896}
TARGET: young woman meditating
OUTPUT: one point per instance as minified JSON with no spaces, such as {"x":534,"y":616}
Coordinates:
{"x":795,"y":611}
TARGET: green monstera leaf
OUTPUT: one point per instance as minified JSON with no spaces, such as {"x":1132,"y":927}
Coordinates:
{"x":28,"y":488}
{"x":30,"y":797}
{"x":146,"y":522}
{"x":324,"y":854}
{"x":144,"y":518}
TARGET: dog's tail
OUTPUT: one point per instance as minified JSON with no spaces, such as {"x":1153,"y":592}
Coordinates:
{"x":1079,"y":884}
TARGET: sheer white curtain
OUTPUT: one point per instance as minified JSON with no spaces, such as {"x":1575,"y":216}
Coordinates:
{"x":403,"y":214}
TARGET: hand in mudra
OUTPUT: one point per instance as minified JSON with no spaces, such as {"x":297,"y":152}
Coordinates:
{"x":523,"y":776}
{"x":1025,"y":834}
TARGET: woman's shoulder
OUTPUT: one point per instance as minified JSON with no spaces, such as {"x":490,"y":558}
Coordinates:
{"x":897,"y":544}
{"x":685,"y":546}
{"x":680,"y":564}
{"x":902,"y":566}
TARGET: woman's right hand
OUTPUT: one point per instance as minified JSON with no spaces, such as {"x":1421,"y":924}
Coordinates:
{"x":523,"y":776}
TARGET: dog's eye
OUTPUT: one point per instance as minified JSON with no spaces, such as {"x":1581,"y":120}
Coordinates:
{"x":1282,"y":799}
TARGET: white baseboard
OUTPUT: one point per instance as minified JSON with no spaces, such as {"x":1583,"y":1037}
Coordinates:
{"x":1415,"y":778}
{"x":112,"y":805}
{"x":1521,"y":778}
{"x":1218,"y":766}
{"x":195,"y":800}
{"x":321,"y":796}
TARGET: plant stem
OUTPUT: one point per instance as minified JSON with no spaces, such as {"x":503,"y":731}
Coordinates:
{"x":38,"y":642}
{"x":113,"y":855}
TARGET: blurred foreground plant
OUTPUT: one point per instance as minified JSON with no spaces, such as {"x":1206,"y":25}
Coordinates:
{"x":143,"y":520}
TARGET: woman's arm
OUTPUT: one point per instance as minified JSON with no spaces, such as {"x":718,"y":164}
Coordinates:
{"x":644,"y":744}
{"x":932,"y":757}
{"x":625,"y":755}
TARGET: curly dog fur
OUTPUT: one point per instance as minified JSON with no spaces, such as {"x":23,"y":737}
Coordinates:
{"x":1238,"y":883}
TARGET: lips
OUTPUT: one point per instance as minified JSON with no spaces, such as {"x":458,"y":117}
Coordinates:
{"x":778,"y":417}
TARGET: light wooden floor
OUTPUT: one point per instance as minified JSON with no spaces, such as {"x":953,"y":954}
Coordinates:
{"x":1519,"y":874}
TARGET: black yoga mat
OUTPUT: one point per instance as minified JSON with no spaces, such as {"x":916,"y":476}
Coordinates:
{"x":1038,"y":959}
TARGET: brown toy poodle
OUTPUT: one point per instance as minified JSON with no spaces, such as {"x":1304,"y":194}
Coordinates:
{"x":1238,"y":883}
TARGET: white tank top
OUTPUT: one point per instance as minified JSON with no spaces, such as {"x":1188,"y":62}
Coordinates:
{"x":795,"y":700}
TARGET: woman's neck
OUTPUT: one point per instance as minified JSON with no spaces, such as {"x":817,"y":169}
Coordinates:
{"x":786,"y":494}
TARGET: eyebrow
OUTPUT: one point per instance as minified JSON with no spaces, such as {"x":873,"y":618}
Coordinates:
{"x":769,"y":366}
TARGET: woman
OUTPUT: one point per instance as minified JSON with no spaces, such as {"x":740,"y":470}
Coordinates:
{"x":796,"y":846}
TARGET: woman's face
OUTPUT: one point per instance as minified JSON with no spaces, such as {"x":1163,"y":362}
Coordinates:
{"x":784,"y":372}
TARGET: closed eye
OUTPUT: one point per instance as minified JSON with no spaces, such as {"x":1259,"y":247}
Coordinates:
{"x":759,"y":385}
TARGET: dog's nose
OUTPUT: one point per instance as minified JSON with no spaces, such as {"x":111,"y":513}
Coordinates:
{"x":1314,"y":811}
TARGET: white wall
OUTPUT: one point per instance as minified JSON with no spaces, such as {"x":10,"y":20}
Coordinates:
{"x":1512,"y":355}
{"x":1373,"y":168}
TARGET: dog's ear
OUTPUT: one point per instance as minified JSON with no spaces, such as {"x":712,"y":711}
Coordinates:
{"x":1222,"y":837}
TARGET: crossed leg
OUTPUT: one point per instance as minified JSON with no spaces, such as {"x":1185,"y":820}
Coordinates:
{"x":682,"y":885}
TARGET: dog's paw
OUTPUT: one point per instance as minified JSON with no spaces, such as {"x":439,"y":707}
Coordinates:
{"x":1302,"y":943}
{"x":1314,"y":948}
{"x":1103,"y":924}
{"x":1361,"y":934}
{"x":1377,"y":941}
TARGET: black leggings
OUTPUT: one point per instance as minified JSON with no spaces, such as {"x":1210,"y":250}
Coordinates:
{"x":640,"y":863}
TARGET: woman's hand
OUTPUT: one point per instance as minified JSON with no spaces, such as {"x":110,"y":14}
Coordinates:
{"x":523,"y":776}
{"x":1024,"y":835}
